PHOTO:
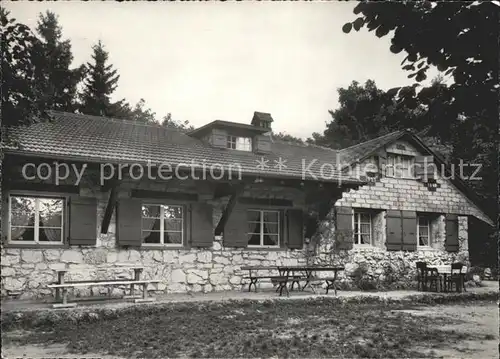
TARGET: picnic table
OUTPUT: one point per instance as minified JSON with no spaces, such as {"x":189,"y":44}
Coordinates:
{"x":293,"y":275}
{"x":444,"y":270}
{"x":308,"y":276}
{"x":62,"y":285}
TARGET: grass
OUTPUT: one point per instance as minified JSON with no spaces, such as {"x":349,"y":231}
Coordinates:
{"x":309,"y":328}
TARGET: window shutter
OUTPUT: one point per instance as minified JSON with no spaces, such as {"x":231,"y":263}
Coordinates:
{"x":262,"y":144}
{"x":409,"y":230}
{"x":451,"y":242}
{"x":83,"y":221}
{"x":128,"y":214}
{"x":424,"y":168}
{"x":344,"y":228}
{"x":394,"y":231}
{"x":219,"y":138}
{"x":236,"y":228}
{"x":202,"y":230}
{"x":295,"y":219}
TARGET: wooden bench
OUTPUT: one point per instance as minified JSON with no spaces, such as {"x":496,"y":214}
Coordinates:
{"x":63,"y":286}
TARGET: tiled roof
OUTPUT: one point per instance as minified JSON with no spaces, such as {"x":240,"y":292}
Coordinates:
{"x":97,"y":139}
{"x":351,"y":154}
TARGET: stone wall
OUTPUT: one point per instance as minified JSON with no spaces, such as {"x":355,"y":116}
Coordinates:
{"x":28,"y":271}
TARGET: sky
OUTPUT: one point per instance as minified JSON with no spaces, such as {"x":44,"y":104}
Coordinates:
{"x":206,"y":61}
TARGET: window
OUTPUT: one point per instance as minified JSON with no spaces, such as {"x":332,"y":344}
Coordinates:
{"x":263,"y":228}
{"x":162,"y":224}
{"x":239,"y":143}
{"x":362,"y":228}
{"x":423,"y":231}
{"x":400,"y":166}
{"x":36,"y":219}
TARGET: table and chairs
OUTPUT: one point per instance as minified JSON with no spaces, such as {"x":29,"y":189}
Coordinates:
{"x":441,"y":278}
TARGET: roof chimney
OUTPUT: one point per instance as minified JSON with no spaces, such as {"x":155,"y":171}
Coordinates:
{"x":262,"y":119}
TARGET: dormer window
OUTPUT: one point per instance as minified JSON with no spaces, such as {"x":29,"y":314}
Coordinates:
{"x":400,"y":166}
{"x":239,"y":143}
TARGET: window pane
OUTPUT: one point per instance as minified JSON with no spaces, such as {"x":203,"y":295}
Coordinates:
{"x":365,"y":229}
{"x":270,"y":240}
{"x":151,"y":237}
{"x":172,"y":238}
{"x":423,"y":240}
{"x":22,"y":234}
{"x":151,"y":224}
{"x":365,"y":218}
{"x":271,"y":228}
{"x":173,"y":225}
{"x":151,"y":211}
{"x":253,"y":216}
{"x":22,"y":211}
{"x":254,"y":239}
{"x":271,"y":217}
{"x":49,"y":235}
{"x":50,"y":212}
{"x":364,"y":239}
{"x":172,"y":212}
{"x":254,"y":227}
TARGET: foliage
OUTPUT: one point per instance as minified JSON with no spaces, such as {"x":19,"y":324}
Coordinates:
{"x":100,"y":82}
{"x":53,"y":58}
{"x":287,"y":137}
{"x":169,"y":122}
{"x":20,"y":93}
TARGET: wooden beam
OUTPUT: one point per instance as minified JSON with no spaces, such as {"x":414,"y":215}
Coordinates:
{"x":229,"y":208}
{"x":110,"y":208}
{"x":266,"y":201}
{"x":176,"y":196}
{"x":42,"y":187}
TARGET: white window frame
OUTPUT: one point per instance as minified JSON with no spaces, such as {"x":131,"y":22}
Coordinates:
{"x":36,"y":227}
{"x":162,"y":225}
{"x":429,"y":244}
{"x":396,"y":167}
{"x":261,"y":219}
{"x":357,"y":236}
{"x":239,"y":143}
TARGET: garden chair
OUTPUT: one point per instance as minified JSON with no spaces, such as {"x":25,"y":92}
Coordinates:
{"x":421,"y":268}
{"x":456,"y":277}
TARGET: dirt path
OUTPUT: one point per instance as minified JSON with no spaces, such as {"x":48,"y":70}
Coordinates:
{"x":477,"y":321}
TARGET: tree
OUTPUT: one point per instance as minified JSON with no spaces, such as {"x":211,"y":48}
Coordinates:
{"x":366,"y":112}
{"x":100,"y":82}
{"x":169,"y":122}
{"x":138,"y":113}
{"x":20,"y":93}
{"x":53,"y":58}
{"x":288,"y":138}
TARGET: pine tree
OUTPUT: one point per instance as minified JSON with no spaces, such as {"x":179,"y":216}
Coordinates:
{"x":100,"y":82}
{"x":53,"y":58}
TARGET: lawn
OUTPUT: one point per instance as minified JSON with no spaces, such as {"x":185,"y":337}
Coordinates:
{"x":309,"y":328}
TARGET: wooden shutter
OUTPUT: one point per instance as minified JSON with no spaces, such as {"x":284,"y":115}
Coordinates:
{"x":219,"y":138}
{"x":424,"y":168}
{"x":394,"y":231}
{"x":451,"y":242}
{"x":202,"y":229}
{"x":236,"y":228}
{"x":295,"y":223}
{"x":344,"y":217}
{"x":83,"y":221}
{"x":129,"y":218}
{"x":409,"y":219}
{"x":262,"y":144}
